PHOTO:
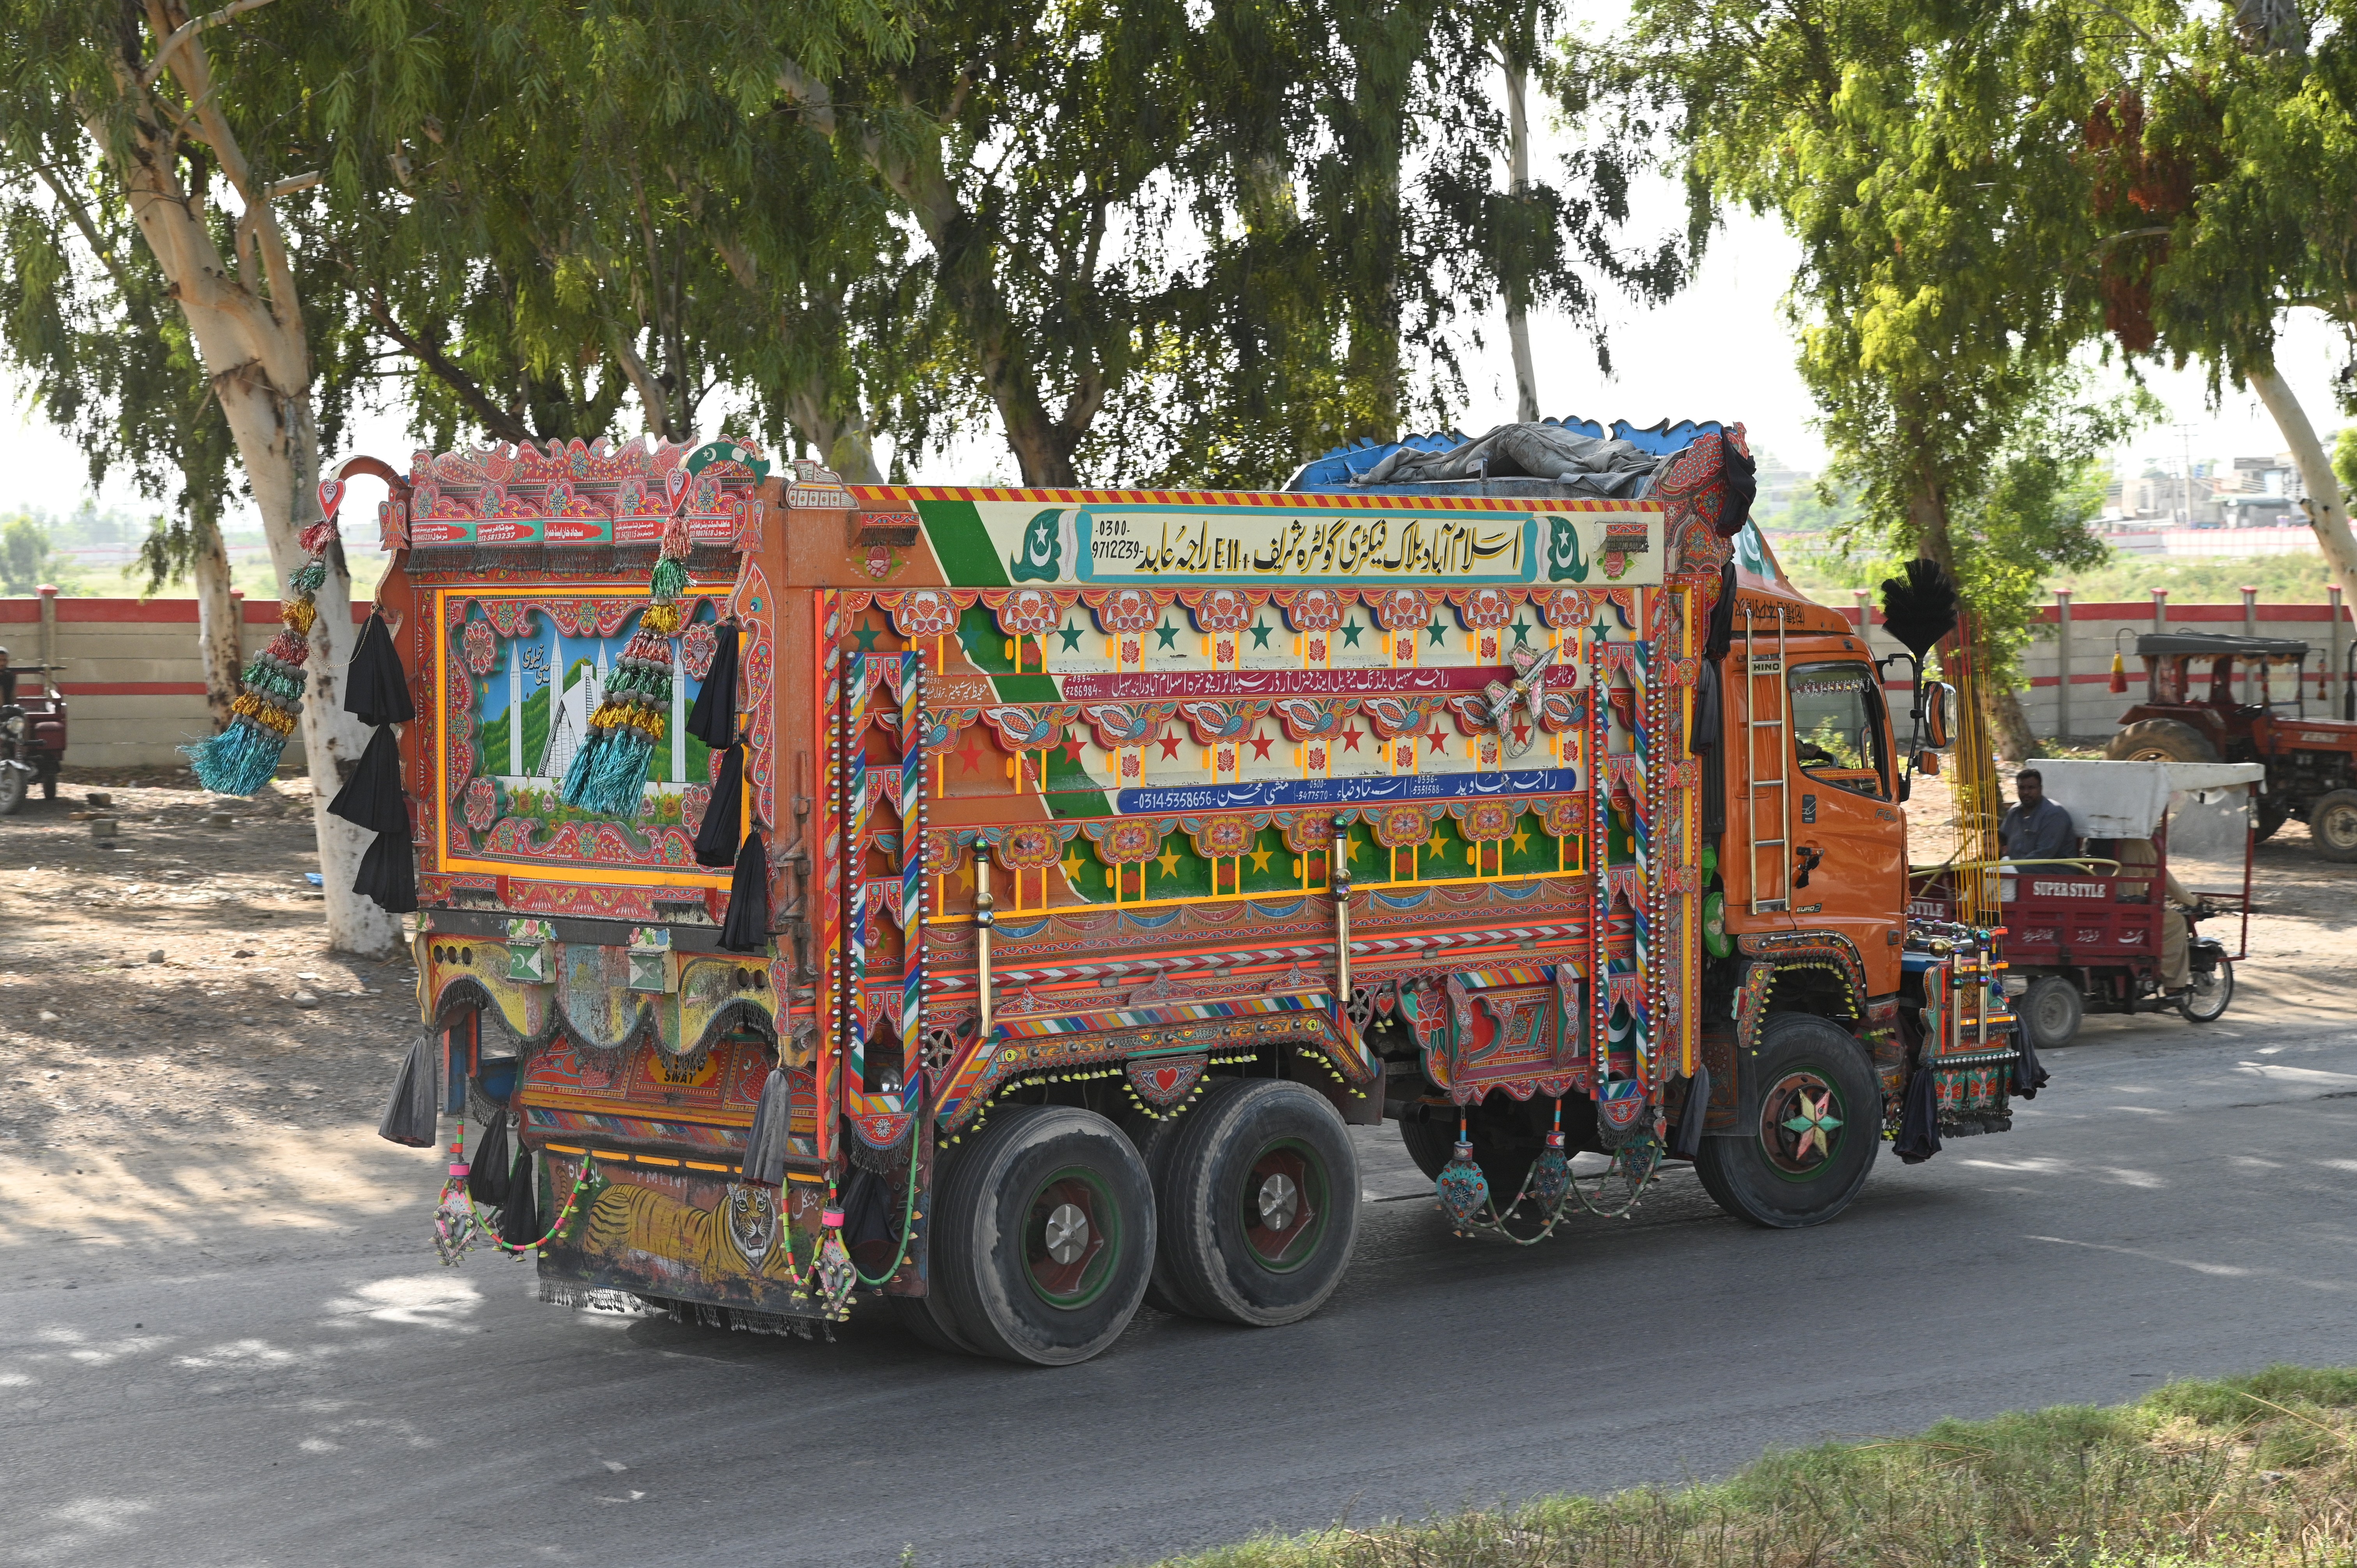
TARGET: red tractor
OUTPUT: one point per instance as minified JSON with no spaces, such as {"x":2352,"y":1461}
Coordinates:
{"x":2311,"y":762}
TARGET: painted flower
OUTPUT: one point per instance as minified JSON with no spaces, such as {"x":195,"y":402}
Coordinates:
{"x":482,"y":804}
{"x":482,"y":648}
{"x":696,"y":646}
{"x":692,"y":803}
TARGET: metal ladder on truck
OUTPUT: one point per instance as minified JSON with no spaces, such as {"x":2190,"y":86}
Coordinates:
{"x":1771,"y":893}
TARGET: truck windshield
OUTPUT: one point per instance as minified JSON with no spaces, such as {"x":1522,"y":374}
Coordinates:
{"x":1837,"y":727}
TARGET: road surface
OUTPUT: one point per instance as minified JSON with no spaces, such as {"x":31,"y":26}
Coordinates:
{"x":267,"y":1382}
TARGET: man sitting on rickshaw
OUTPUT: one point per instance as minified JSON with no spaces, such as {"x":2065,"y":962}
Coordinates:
{"x":2136,"y":858}
{"x":2036,"y":828}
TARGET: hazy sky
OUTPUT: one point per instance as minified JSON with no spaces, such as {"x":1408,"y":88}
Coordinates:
{"x":1720,"y":350}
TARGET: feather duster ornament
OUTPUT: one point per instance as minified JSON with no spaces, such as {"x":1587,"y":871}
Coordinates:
{"x":1920,"y":609}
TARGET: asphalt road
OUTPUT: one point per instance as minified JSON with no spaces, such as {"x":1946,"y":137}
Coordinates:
{"x":2180,"y":1202}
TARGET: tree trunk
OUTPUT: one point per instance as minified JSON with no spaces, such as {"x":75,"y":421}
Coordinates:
{"x":245,"y":318}
{"x":2328,"y":510}
{"x":220,"y":632}
{"x":1518,"y":169}
{"x":2008,"y":727}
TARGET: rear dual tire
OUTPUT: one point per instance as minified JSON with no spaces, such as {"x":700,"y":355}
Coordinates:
{"x":1259,"y":1204}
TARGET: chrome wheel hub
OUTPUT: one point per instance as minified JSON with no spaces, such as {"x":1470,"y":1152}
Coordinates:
{"x":1279,"y":1201}
{"x":1067,"y":1233}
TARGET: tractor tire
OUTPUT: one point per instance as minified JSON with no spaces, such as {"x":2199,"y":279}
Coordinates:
{"x":2332,"y":825}
{"x":2051,"y":1010}
{"x":1809,"y":1127}
{"x":2160,"y":740}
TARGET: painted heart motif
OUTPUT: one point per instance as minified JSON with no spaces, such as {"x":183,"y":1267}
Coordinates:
{"x":332,"y":496}
{"x":1166,"y":1080}
{"x":675,"y":485}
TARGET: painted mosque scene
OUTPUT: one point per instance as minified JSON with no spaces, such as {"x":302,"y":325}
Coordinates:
{"x":535,"y":688}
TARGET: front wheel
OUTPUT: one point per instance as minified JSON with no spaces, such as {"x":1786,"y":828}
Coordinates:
{"x":2051,"y":1010}
{"x":1045,"y":1235}
{"x":1811,"y":1123}
{"x":12,"y":788}
{"x":2332,"y":825}
{"x":1260,"y":1207}
{"x":2210,"y":994}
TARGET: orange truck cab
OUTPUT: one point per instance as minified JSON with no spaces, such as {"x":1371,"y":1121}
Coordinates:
{"x":1100,"y":858}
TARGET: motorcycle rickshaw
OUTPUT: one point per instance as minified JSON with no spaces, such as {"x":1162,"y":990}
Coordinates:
{"x":2091,"y":932}
{"x":32,"y":733}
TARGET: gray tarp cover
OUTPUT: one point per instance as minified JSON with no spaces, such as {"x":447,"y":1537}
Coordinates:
{"x":1591,"y":464}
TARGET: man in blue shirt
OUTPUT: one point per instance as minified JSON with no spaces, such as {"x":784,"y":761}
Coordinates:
{"x":2036,"y":829}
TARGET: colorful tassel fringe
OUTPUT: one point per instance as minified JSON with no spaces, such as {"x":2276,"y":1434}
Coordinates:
{"x":241,"y":760}
{"x":608,"y":774}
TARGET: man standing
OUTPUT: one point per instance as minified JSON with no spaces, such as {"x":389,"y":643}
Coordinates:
{"x":2036,"y":829}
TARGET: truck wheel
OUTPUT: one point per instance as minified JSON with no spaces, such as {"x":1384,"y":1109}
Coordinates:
{"x":2051,"y":1010}
{"x":2332,"y":824}
{"x":2160,"y":740}
{"x":1154,"y":1141}
{"x":12,"y":790}
{"x":1260,"y":1209}
{"x":1811,"y":1123}
{"x":1045,"y":1235}
{"x":2210,"y":993}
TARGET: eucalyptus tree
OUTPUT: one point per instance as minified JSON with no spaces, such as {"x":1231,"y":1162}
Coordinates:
{"x":193,"y":130}
{"x":85,"y":317}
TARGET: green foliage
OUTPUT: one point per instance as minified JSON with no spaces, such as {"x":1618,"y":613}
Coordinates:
{"x":2237,"y":1473}
{"x":24,"y":555}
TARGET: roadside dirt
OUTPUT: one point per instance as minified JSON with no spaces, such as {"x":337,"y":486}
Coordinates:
{"x":177,"y":1048}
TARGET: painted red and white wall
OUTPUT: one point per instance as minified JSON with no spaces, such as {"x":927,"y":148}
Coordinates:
{"x":130,"y":672}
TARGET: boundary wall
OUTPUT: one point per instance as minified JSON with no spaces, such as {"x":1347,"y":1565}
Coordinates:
{"x":2068,"y":663}
{"x":134,"y":687}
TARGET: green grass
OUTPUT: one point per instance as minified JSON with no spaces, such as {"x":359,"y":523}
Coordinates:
{"x":2239,"y":1472}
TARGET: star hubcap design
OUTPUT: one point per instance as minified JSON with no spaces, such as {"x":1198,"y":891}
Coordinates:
{"x":1812,"y":1124}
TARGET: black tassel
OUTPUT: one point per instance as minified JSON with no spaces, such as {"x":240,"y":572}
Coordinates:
{"x":371,"y":797}
{"x":520,"y":1216}
{"x":389,"y":872}
{"x":1918,"y":1119}
{"x":1706,"y":715}
{"x":489,"y":1180}
{"x":413,"y":1115}
{"x":747,"y":928}
{"x":1919,"y":609}
{"x":1721,"y":636}
{"x":2028,"y":1072}
{"x":1739,"y":478}
{"x":376,"y":692}
{"x":1693,"y":1114}
{"x":713,"y":720}
{"x":766,"y":1143}
{"x":716,"y":841}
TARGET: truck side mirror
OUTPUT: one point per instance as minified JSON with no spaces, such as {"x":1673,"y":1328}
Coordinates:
{"x":1939,"y":704}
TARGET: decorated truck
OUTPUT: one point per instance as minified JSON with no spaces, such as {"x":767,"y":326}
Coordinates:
{"x":1001,"y":904}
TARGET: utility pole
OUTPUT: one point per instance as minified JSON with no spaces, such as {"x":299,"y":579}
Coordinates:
{"x":2185,"y":472}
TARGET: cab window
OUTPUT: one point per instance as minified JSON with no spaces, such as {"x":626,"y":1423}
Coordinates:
{"x":1837,"y":731}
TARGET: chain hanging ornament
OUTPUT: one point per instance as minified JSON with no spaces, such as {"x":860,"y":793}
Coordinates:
{"x":1464,"y":1190}
{"x":1551,"y":1175}
{"x":608,"y":774}
{"x":241,"y":760}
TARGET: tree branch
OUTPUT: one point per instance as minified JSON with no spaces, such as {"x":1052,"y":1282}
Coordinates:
{"x":496,"y":421}
{"x":190,"y":30}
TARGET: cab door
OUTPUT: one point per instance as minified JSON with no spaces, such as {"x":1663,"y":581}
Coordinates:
{"x":1848,"y":842}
